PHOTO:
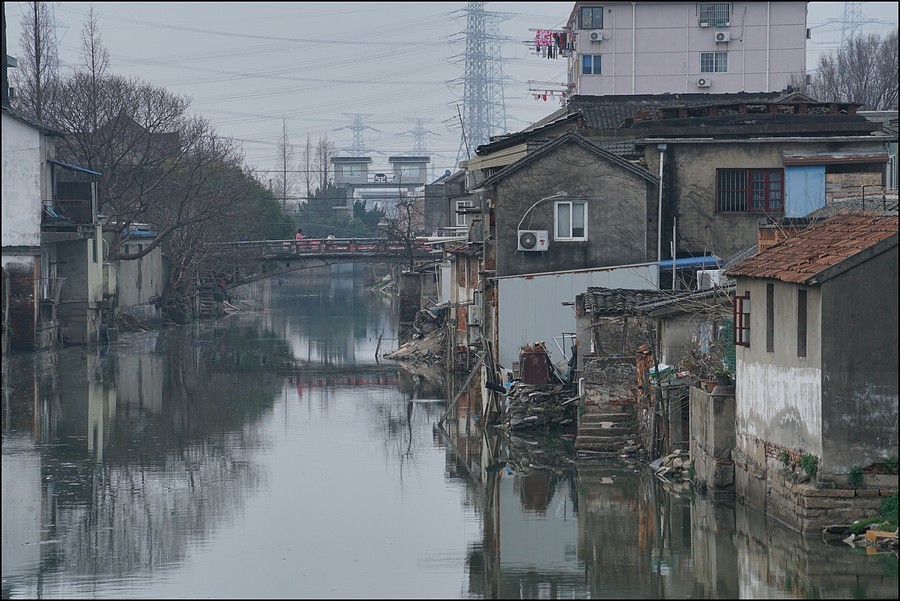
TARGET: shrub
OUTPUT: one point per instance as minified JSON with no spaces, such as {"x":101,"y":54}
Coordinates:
{"x":785,"y":458}
{"x":891,"y":465}
{"x":810,"y":464}
{"x":855,"y":477}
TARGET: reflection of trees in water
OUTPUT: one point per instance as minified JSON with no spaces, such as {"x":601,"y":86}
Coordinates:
{"x":173,"y":467}
{"x":334,"y":320}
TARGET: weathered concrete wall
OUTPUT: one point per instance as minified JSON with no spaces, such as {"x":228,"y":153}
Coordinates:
{"x":24,"y":168}
{"x":690,"y":189}
{"x":779,"y":394}
{"x":138,"y":283}
{"x":860,"y":358}
{"x":712,"y":441}
{"x":618,"y":203}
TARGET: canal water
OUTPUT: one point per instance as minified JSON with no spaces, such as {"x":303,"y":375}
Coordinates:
{"x":269,"y":454}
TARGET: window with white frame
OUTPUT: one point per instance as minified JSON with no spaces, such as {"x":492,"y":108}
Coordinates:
{"x":462,"y":218}
{"x":571,"y":219}
{"x":590,"y":64}
{"x":351,"y":170}
{"x":591,"y":17}
{"x":714,"y":62}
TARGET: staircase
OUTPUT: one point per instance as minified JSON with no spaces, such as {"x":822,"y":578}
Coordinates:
{"x":606,"y":430}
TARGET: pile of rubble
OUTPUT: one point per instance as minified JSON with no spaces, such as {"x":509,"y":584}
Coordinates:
{"x":672,"y":466}
{"x":879,"y":541}
{"x":539,"y":406}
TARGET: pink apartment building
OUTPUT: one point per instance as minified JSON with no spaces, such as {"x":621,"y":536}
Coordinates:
{"x":616,"y":48}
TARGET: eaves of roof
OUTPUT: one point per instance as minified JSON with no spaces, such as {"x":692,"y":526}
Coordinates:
{"x":42,"y":127}
{"x":569,"y":138}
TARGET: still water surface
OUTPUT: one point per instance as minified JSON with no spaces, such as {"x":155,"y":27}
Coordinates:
{"x":268,"y":454}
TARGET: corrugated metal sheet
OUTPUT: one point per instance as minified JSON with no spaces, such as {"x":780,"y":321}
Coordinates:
{"x":530,"y":306}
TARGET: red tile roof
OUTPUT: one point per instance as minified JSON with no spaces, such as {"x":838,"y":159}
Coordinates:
{"x":802,"y":257}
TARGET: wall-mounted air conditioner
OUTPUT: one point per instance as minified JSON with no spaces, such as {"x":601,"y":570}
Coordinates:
{"x":703,"y":82}
{"x":533,"y":240}
{"x":596,"y":36}
{"x":723,"y":36}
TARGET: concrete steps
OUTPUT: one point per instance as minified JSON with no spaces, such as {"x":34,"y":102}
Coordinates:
{"x":605,"y":430}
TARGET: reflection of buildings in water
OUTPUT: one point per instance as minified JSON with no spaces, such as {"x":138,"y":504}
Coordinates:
{"x":102,"y":453}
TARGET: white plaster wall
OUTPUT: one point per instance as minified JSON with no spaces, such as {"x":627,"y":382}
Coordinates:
{"x":22,"y":168}
{"x":530,"y":307}
{"x":780,"y":404}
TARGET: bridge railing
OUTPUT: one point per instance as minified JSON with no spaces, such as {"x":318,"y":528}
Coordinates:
{"x":319,"y":246}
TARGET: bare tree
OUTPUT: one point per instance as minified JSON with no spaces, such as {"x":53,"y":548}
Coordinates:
{"x":306,"y":171}
{"x":284,"y":179}
{"x":35,"y":77}
{"x":863,"y":71}
{"x":403,"y":223}
{"x":324,"y":151}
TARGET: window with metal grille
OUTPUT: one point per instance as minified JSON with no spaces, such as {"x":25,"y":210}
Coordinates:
{"x":592,"y":17}
{"x":749,"y":190}
{"x":590,"y":64}
{"x":714,"y":62}
{"x":715,"y":13}
{"x":741,"y":317}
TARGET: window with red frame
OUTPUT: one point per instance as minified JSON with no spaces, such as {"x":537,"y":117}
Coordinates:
{"x":750,"y":190}
{"x":742,"y":320}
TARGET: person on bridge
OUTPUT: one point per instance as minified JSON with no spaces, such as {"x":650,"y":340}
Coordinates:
{"x":298,"y":237}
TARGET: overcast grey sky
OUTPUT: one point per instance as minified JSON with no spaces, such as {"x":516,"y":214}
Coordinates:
{"x":247,"y":65}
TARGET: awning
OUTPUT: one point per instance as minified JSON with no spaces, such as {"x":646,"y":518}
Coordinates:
{"x":707,"y":262}
{"x":74,"y":167}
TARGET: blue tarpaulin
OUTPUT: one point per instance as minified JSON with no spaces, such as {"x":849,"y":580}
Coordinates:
{"x":707,"y":262}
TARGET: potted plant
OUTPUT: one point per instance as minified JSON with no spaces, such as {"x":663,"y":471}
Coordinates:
{"x":724,"y":377}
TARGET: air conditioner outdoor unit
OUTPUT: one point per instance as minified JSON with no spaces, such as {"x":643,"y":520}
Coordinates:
{"x":533,"y":240}
{"x":708,"y":278}
{"x":702,"y":83}
{"x":723,"y":36}
{"x":596,"y":36}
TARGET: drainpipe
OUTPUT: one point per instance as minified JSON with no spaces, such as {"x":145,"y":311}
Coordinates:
{"x":662,"y":158}
{"x":768,"y":36}
{"x":633,"y":40}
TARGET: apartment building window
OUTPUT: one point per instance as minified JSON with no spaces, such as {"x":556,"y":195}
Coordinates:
{"x":571,"y":220}
{"x":591,"y":17}
{"x":801,"y":323}
{"x":741,"y":315}
{"x":714,"y":62}
{"x":750,"y":190}
{"x":590,"y":64}
{"x":717,"y":14}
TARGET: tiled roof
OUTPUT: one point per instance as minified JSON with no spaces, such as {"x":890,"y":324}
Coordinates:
{"x":614,"y":301}
{"x":873,"y":202}
{"x":801,"y":258}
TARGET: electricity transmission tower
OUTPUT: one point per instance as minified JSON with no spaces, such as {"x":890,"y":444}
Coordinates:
{"x":358,"y":148}
{"x":419,"y":132}
{"x":853,"y":21}
{"x":483,"y":104}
